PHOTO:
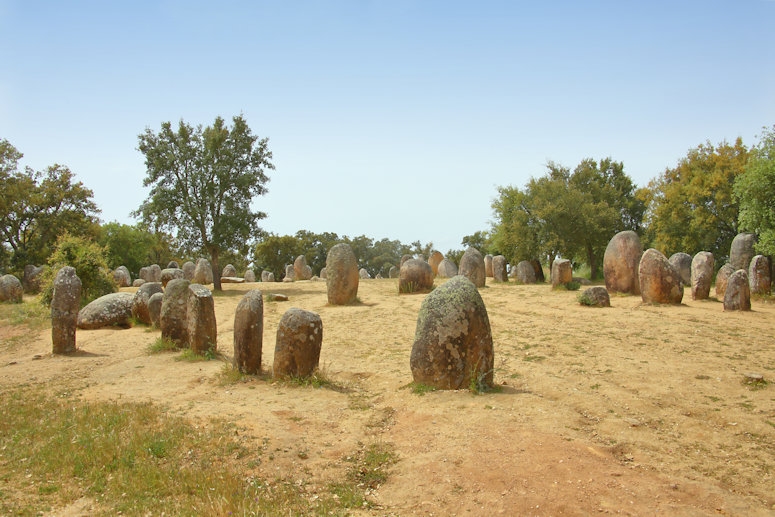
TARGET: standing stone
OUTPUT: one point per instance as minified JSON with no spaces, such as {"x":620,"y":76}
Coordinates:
{"x":171,"y":274}
{"x":122,"y":277}
{"x":472,"y":267}
{"x":722,"y":279}
{"x":301,"y":271}
{"x":201,"y":329}
{"x":249,"y":333}
{"x":539,"y":270}
{"x":107,"y":311}
{"x":364,"y":274}
{"x":229,"y":270}
{"x":562,"y":272}
{"x":659,"y":281}
{"x":499,"y":273}
{"x":453,"y":342}
{"x":323,"y":273}
{"x":173,"y":319}
{"x":488,"y":266}
{"x":172,"y":265}
{"x":267,"y":276}
{"x":341,"y":275}
{"x":621,"y":261}
{"x":154,"y":273}
{"x":404,"y":258}
{"x":140,"y":301}
{"x":394,"y":272}
{"x":203,"y":272}
{"x":682,"y":262}
{"x":144,"y":274}
{"x":32,"y":277}
{"x":702,"y":275}
{"x":447,"y":269}
{"x":11,"y":289}
{"x":434,"y":260}
{"x":738,"y":294}
{"x":290,"y":273}
{"x":298,"y":343}
{"x":415,"y":276}
{"x":249,"y":276}
{"x":741,"y":252}
{"x":154,"y":308}
{"x":65,"y":302}
{"x":525,"y":273}
{"x":759,"y":275}
{"x":188,"y":270}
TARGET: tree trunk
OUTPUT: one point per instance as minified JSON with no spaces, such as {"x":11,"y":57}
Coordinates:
{"x":214,"y":252}
{"x":592,"y":260}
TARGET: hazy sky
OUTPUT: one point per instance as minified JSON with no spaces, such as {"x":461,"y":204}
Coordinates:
{"x":387,"y":118}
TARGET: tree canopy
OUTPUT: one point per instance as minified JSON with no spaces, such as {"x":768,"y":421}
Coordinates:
{"x":203,"y":181}
{"x":755,"y":191}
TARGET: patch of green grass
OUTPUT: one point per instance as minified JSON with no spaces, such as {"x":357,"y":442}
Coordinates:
{"x":33,"y":314}
{"x":419,"y":388}
{"x":318,"y":379}
{"x":162,"y":345}
{"x":190,"y":356}
{"x":533,"y":358}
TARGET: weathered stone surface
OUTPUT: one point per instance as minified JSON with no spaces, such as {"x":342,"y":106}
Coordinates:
{"x":404,"y":258}
{"x":659,"y":280}
{"x":525,"y":273}
{"x":171,"y":274}
{"x":394,"y":272}
{"x":703,"y":264}
{"x":453,"y":342}
{"x":738,"y":293}
{"x":539,"y":270}
{"x":415,"y":276}
{"x":141,"y":298}
{"x":65,"y":302}
{"x":741,"y":252}
{"x":759,"y":275}
{"x":249,"y":332}
{"x":232,"y":280}
{"x":298,"y":344}
{"x":722,"y":279}
{"x":201,"y":329}
{"x":154,"y":273}
{"x":499,"y":273}
{"x":11,"y":289}
{"x":472,"y":267}
{"x":562,"y":272}
{"x":290,"y":273}
{"x":114,"y":309}
{"x":682,"y":262}
{"x":32,"y":277}
{"x":301,"y":271}
{"x":434,"y":260}
{"x":249,"y":276}
{"x":122,"y":277}
{"x":364,"y":274}
{"x":172,"y":265}
{"x":323,"y":273}
{"x":203,"y":272}
{"x":621,"y":261}
{"x":595,"y":297}
{"x":277,"y":297}
{"x":229,"y":270}
{"x":154,"y":308}
{"x":341,"y":275}
{"x":173,"y":319}
{"x":189,"y":268}
{"x":137,"y":282}
{"x":488,"y":265}
{"x":447,"y":269}
{"x":267,"y":276}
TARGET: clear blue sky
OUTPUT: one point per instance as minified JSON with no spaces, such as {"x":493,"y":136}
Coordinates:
{"x":392,"y":119}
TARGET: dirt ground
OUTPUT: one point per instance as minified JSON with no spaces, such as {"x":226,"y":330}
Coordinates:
{"x":633,"y":410}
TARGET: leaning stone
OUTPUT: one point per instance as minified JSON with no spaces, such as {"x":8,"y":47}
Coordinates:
{"x":738,"y":294}
{"x":301,"y":271}
{"x":138,"y":282}
{"x":525,"y":273}
{"x":499,"y":273}
{"x":682,"y":262}
{"x":32,"y":277}
{"x":453,"y":342}
{"x":232,"y":280}
{"x":415,"y":276}
{"x":65,"y":301}
{"x":188,"y":270}
{"x":154,"y":308}
{"x":171,"y":274}
{"x":742,"y":250}
{"x":702,"y":275}
{"x":722,"y":279}
{"x":759,"y":275}
{"x":11,"y":289}
{"x":298,"y":344}
{"x":249,"y":276}
{"x":201,"y":329}
{"x":447,"y":269}
{"x":229,"y":270}
{"x":173,"y":318}
{"x":342,"y":276}
{"x":562,"y":272}
{"x":434,"y":260}
{"x":140,"y":300}
{"x":621,"y":261}
{"x":659,"y":280}
{"x":488,"y":265}
{"x":203,"y":272}
{"x":249,"y":332}
{"x":364,"y":274}
{"x":472,"y":267}
{"x":114,"y":309}
{"x":595,"y":297}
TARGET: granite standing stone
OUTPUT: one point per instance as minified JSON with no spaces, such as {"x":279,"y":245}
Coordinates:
{"x":562,"y":272}
{"x":341,"y":275}
{"x":154,"y":308}
{"x":499,"y":273}
{"x":738,"y":294}
{"x":659,"y":281}
{"x":742,"y":250}
{"x":415,"y":276}
{"x":722,"y":279}
{"x":759,"y":275}
{"x":682,"y":262}
{"x":11,"y":289}
{"x":173,"y":319}
{"x":472,"y":267}
{"x":140,"y":301}
{"x":249,"y":333}
{"x":298,"y":344}
{"x":447,"y":269}
{"x":65,"y":302}
{"x":621,"y":261}
{"x":434,"y":260}
{"x":201,"y":329}
{"x":703,"y":264}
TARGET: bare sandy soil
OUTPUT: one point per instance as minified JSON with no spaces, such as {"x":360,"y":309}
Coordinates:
{"x":634,"y":409}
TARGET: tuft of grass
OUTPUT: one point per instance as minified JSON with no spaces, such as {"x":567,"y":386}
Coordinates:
{"x":32,"y":314}
{"x":586,"y":300}
{"x":318,"y":379}
{"x":189,"y":355}
{"x":162,"y":345}
{"x":419,"y":388}
{"x":572,"y":286}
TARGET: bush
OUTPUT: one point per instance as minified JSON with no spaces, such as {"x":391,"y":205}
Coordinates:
{"x":88,"y":259}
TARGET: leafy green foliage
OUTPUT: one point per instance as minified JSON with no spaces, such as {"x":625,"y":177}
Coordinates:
{"x":755,"y":191}
{"x":88,"y":259}
{"x":203,"y":181}
{"x":134,"y":246}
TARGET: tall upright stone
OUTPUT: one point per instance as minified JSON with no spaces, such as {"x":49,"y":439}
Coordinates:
{"x":738,"y":294}
{"x":301,"y":271}
{"x":122,"y":277}
{"x":267,"y":276}
{"x":65,"y":303}
{"x":415,"y":276}
{"x":170,"y":274}
{"x":173,"y":319}
{"x":682,"y":262}
{"x":759,"y":275}
{"x":32,"y":277}
{"x":659,"y":281}
{"x":621,"y":261}
{"x":11,"y":289}
{"x":722,"y":279}
{"x":447,"y":269}
{"x":249,"y":276}
{"x":229,"y":270}
{"x":703,"y":264}
{"x":203,"y":272}
{"x":298,"y":344}
{"x":249,"y":332}
{"x":488,"y":266}
{"x":499,"y":273}
{"x":472,"y":267}
{"x":524,"y":272}
{"x":188,"y":270}
{"x":342,"y":276}
{"x":434,"y":260}
{"x":742,"y":251}
{"x":201,"y":328}
{"x":154,"y":273}
{"x":154,"y":308}
{"x":562,"y":272}
{"x":143,"y":294}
